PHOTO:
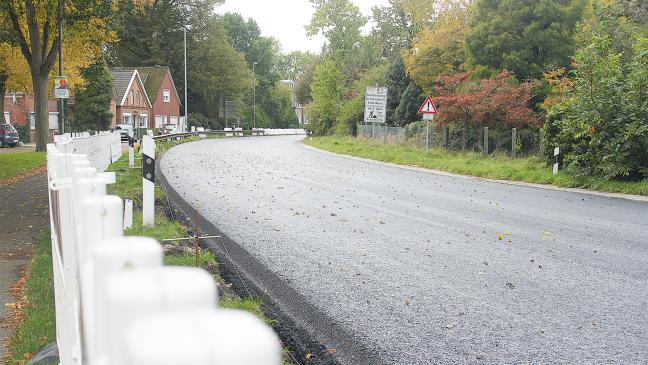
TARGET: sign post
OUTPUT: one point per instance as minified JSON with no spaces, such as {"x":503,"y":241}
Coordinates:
{"x":428,"y":110}
{"x":148,"y":181}
{"x":375,"y":107}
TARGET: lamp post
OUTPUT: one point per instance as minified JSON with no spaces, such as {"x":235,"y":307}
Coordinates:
{"x":254,"y":96}
{"x":60,"y":59}
{"x":186,"y":106}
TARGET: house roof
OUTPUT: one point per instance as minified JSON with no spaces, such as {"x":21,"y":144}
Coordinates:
{"x":152,"y":77}
{"x":123,"y":78}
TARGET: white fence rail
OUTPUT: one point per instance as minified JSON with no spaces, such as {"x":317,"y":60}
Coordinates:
{"x":102,"y":149}
{"x":116,"y":304}
{"x":283,"y":132}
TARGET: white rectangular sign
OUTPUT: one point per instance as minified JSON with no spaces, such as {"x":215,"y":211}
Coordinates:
{"x":375,"y":105}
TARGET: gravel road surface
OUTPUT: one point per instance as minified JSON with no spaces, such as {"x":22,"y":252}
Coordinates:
{"x":422,"y":268}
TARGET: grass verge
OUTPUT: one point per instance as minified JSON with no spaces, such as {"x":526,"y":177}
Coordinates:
{"x":38,"y":325}
{"x":527,"y":169}
{"x":14,"y":164}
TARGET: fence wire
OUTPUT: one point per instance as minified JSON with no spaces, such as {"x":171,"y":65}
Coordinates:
{"x":457,"y":137}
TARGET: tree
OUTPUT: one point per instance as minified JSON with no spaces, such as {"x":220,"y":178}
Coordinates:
{"x":34,"y":27}
{"x":440,"y":48}
{"x":291,"y":66}
{"x":303,"y":85}
{"x":340,"y":22}
{"x":598,"y":114}
{"x":399,"y":24}
{"x":218,"y":70}
{"x":523,"y":37}
{"x":92,"y":102}
{"x":327,"y":93}
{"x":499,"y":102}
{"x":397,"y":82}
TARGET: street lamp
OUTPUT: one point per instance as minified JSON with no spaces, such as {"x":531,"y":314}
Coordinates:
{"x":254,"y":96}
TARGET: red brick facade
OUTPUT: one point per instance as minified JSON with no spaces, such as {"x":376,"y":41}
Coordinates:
{"x":166,"y":110}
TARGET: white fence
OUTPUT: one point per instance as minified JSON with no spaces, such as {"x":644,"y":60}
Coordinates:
{"x":116,"y":304}
{"x":102,"y":149}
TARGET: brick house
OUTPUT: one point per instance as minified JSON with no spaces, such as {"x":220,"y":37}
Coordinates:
{"x":161,"y":89}
{"x":19,"y":111}
{"x":131,"y":104}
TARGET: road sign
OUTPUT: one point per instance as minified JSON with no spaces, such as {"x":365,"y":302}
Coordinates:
{"x":61,"y":88}
{"x":428,"y":107}
{"x":230,"y":109}
{"x":375,"y":105}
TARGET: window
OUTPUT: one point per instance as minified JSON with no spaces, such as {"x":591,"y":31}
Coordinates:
{"x":53,"y":121}
{"x":32,"y":121}
{"x":127,"y":119}
{"x":7,"y":117}
{"x":143,"y":121}
{"x":173,"y":120}
{"x":137,"y":98}
{"x":160,"y":120}
{"x":166,"y":94}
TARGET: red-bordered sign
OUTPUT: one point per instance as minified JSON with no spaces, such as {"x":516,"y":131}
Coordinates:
{"x":428,"y":107}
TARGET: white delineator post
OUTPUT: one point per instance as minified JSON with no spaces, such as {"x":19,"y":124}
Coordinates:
{"x":131,"y":149}
{"x":148,"y":181}
{"x":555,"y":166}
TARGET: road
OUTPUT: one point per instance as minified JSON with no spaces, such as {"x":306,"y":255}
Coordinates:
{"x":409,"y":267}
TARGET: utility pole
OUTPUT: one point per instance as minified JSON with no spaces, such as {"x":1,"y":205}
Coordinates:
{"x":62,"y":101}
{"x":254,"y":96}
{"x":186,"y":105}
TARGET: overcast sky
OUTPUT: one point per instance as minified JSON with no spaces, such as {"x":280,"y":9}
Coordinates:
{"x":285,"y":19}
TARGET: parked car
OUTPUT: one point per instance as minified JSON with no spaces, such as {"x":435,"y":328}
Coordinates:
{"x":8,"y":136}
{"x":124,"y":129}
{"x":168,"y":129}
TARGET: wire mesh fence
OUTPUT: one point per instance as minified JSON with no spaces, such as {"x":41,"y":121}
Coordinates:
{"x":458,"y":137}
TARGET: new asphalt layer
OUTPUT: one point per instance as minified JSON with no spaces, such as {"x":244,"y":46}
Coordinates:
{"x":393,"y":266}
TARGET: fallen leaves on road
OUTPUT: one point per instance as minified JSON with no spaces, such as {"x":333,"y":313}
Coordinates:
{"x":331,"y":351}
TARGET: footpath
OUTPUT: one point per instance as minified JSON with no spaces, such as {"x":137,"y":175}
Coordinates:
{"x":23,"y":216}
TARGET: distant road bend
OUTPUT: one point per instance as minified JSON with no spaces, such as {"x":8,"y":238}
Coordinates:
{"x":410,"y":263}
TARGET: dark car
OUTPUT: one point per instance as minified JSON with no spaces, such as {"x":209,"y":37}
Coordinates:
{"x":8,"y":136}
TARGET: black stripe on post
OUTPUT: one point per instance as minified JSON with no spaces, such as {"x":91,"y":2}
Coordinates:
{"x":148,"y":168}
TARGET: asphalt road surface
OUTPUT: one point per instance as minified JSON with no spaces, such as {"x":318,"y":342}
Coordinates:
{"x":411,"y":263}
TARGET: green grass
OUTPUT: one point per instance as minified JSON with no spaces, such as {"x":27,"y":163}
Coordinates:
{"x":527,"y":169}
{"x":38,"y":326}
{"x":13,"y":164}
{"x":164,"y":228}
{"x":188,"y":258}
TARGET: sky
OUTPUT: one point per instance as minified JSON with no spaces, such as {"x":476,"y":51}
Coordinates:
{"x":285,"y":19}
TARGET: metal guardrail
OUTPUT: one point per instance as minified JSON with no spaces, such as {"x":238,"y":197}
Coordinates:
{"x":257,"y":132}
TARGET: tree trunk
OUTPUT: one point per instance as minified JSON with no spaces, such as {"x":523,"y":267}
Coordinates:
{"x":3,"y":90}
{"x":40,"y":83}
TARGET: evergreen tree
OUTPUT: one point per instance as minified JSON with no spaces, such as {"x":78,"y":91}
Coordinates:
{"x":523,"y":36}
{"x":92,"y":102}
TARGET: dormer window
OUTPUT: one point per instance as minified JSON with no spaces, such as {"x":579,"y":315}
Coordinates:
{"x":166,"y":95}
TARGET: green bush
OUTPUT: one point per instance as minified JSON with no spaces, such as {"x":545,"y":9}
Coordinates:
{"x":601,"y":121}
{"x":23,"y":133}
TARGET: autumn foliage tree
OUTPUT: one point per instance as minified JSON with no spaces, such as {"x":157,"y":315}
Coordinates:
{"x":499,"y":102}
{"x":33,"y":29}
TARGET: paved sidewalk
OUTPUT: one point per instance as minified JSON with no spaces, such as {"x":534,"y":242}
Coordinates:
{"x":23,"y":215}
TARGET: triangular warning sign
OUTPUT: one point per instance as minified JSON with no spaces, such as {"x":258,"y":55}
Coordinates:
{"x":428,"y":107}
